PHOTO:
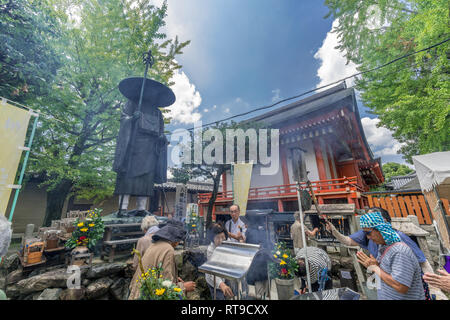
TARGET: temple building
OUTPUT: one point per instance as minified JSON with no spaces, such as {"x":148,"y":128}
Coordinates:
{"x":322,"y":139}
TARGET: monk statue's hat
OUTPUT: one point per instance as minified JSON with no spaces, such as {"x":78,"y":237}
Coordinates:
{"x":156,"y":94}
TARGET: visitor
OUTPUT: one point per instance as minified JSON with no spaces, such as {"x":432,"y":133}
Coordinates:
{"x":235,"y":226}
{"x":319,"y":269}
{"x":441,"y":281}
{"x":162,"y":251}
{"x":360,"y":239}
{"x":395,"y":265}
{"x":149,"y":225}
{"x":216,"y":235}
{"x":296,"y":232}
{"x":315,"y":224}
{"x":257,"y":274}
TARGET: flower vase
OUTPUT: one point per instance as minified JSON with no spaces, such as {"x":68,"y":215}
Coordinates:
{"x":285,"y":288}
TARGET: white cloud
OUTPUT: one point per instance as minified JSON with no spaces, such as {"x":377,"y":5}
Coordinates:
{"x":276,"y":95}
{"x":188,"y":100}
{"x":379,"y":138}
{"x":333,"y":66}
{"x":205,"y":110}
{"x":227,"y":110}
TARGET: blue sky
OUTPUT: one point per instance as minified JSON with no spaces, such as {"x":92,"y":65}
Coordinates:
{"x":246,"y":53}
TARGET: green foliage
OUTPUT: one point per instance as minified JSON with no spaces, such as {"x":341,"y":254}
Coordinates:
{"x":410,"y":96}
{"x":99,"y":43}
{"x":28,"y":61}
{"x":215,"y":170}
{"x":392,"y":169}
{"x":88,"y":231}
{"x":286,"y":265}
{"x":180,"y":175}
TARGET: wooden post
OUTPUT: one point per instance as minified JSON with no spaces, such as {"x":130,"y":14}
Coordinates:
{"x":439,"y":216}
{"x":280,"y":205}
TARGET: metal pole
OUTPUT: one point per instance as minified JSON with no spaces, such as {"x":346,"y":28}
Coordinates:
{"x":300,"y":209}
{"x":24,"y":165}
{"x":215,"y":298}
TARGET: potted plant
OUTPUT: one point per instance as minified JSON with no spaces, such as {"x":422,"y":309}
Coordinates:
{"x":283,"y":270}
{"x":86,"y":233}
{"x":154,"y":287}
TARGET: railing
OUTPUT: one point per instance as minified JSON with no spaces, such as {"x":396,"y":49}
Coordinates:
{"x":321,"y":188}
{"x":402,"y":204}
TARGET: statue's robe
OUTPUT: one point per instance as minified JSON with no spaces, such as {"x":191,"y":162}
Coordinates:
{"x":142,"y":162}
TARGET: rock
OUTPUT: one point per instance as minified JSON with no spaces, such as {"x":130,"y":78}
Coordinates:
{"x":128,"y":272}
{"x":31,"y":296}
{"x":53,"y":279}
{"x":98,"y":288}
{"x":11,"y":262}
{"x":104,"y":297}
{"x":85,"y":282}
{"x":73,"y":294}
{"x":15,"y":276}
{"x":50,"y":294}
{"x":118,"y":289}
{"x":103,"y":270}
{"x":13,"y":291}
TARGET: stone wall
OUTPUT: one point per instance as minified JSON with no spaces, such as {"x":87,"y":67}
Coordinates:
{"x":105,"y":281}
{"x":108,"y":281}
{"x":433,"y":243}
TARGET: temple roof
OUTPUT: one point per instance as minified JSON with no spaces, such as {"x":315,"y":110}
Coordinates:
{"x":332,"y":99}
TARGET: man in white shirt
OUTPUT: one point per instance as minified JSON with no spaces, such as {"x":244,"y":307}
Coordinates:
{"x":235,"y":227}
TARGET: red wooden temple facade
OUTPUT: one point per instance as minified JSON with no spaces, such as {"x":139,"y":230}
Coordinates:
{"x":322,"y":135}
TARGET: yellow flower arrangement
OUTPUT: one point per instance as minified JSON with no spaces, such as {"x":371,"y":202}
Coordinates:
{"x":153,"y":286}
{"x":91,"y":225}
{"x":286,"y":264}
{"x":80,"y":224}
{"x":84,"y":229}
{"x":160,"y":292}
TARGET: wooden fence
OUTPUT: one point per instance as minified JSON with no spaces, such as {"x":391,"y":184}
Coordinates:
{"x":403,"y":204}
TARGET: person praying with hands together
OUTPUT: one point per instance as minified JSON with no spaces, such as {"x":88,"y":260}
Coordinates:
{"x":395,"y":265}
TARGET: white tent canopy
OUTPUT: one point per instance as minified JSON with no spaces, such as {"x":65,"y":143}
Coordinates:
{"x":433,"y":171}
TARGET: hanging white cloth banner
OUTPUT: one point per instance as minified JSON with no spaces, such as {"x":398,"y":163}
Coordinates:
{"x":13,"y":129}
{"x":242,"y":176}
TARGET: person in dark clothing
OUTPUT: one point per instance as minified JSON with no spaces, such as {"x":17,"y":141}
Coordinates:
{"x":257,"y":274}
{"x":216,"y":235}
{"x":315,"y":223}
